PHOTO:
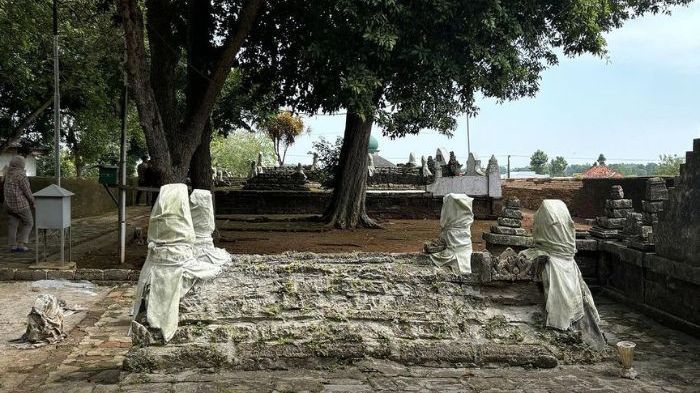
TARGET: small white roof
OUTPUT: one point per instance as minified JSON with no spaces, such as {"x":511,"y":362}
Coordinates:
{"x":53,"y":191}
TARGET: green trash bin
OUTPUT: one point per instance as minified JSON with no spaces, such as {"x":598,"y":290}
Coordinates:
{"x":108,"y":175}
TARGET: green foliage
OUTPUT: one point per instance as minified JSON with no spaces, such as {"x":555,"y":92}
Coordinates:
{"x":669,"y":165}
{"x":557,"y":166}
{"x":282,"y":128}
{"x":329,"y":158}
{"x":235,"y":152}
{"x":538,"y":162}
{"x":412,"y":65}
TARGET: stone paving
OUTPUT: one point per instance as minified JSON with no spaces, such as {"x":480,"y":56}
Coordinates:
{"x":90,"y":361}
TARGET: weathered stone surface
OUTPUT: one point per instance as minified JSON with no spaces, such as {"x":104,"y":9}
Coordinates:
{"x":610,"y":223}
{"x":616,"y":192}
{"x":509,"y":231}
{"x":509,"y":222}
{"x":604,"y":233}
{"x":304,"y":310}
{"x":618,"y":213}
{"x":650,"y":218}
{"x":618,"y":204}
{"x":513,"y":203}
{"x":677,"y":235}
{"x":652,"y":206}
{"x":512,"y":213}
{"x":508,"y":240}
{"x":586,"y":245}
{"x":656,"y":190}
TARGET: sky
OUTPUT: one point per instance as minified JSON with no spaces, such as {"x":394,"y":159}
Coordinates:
{"x":639,"y":102}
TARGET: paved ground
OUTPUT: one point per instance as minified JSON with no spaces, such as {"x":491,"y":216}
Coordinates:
{"x":89,"y":234}
{"x":89,"y":360}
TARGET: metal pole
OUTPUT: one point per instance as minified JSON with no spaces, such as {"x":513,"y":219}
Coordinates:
{"x":469,"y":145}
{"x":57,"y":117}
{"x":122,"y":166}
{"x":509,"y":166}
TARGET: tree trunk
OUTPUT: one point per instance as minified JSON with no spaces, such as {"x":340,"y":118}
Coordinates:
{"x":347,"y":208}
{"x":200,"y":166}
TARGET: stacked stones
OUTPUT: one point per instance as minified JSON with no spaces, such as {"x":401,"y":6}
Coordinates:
{"x":640,"y":226}
{"x":292,"y":179}
{"x":616,"y":210}
{"x":509,"y":231}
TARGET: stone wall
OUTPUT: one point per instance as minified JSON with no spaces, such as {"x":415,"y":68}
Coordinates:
{"x":384,"y":204}
{"x":398,"y":177}
{"x":666,"y":290}
{"x":584,"y":197}
{"x":677,"y":234}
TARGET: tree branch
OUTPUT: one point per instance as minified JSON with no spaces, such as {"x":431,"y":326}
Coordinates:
{"x":195,"y":123}
{"x":17,"y":132}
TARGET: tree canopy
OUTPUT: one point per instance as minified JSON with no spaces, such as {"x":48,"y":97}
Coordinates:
{"x":282,"y":128}
{"x":538,"y":162}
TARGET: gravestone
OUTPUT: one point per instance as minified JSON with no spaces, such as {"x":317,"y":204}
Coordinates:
{"x":616,"y":209}
{"x":509,"y":231}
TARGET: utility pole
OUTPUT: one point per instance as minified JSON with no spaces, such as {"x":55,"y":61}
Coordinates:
{"x":56,"y":99}
{"x":469,"y":145}
{"x":509,"y":166}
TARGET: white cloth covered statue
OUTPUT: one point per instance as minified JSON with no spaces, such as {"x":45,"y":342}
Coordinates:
{"x":456,"y":219}
{"x":204,"y":224}
{"x":171,"y":268}
{"x":569,"y":303}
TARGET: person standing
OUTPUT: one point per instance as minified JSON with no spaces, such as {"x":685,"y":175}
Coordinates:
{"x":18,"y":201}
{"x":142,"y":170}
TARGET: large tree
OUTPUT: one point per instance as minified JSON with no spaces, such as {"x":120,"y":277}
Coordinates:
{"x":206,"y":36}
{"x":410,"y":65}
{"x":90,"y":58}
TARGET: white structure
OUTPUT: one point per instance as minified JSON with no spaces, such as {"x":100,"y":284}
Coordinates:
{"x":488,"y":184}
{"x":29,"y":162}
{"x":53,"y":211}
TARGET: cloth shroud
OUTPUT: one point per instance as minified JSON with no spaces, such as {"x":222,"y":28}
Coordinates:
{"x":456,"y":219}
{"x":202,"y":210}
{"x":171,"y":268}
{"x":568,"y":298}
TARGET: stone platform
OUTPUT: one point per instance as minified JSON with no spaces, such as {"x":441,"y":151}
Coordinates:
{"x":315,"y":311}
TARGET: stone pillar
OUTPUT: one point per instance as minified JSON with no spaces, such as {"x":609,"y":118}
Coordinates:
{"x":493,"y":173}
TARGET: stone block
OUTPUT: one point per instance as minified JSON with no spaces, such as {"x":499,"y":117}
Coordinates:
{"x":652,"y":206}
{"x":61,"y":275}
{"x":509,"y":231}
{"x":513,"y":203}
{"x":89,"y":274}
{"x":116,"y":274}
{"x":650,"y":218}
{"x":30,"y":274}
{"x":509,"y":222}
{"x":508,"y":240}
{"x":618,"y":204}
{"x":610,"y":223}
{"x":616,"y":192}
{"x":7,"y":274}
{"x":586,"y":245}
{"x":618,"y":213}
{"x":604,"y":233}
{"x":512,"y":213}
{"x":656,"y":190}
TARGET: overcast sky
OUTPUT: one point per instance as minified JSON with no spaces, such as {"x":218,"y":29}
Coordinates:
{"x":641,"y":102}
